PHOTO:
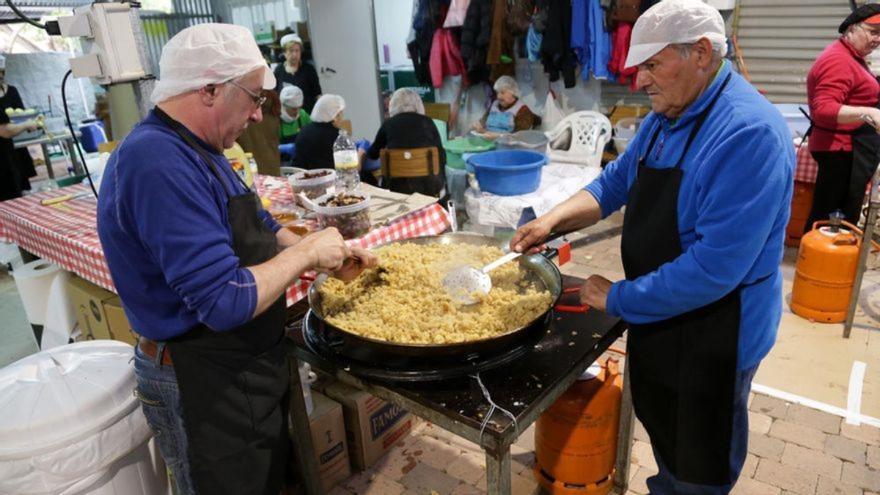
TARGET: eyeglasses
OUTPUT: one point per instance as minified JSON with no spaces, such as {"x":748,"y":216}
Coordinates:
{"x":257,"y":98}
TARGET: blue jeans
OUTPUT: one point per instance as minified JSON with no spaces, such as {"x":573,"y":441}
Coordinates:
{"x":664,"y":482}
{"x":160,"y":400}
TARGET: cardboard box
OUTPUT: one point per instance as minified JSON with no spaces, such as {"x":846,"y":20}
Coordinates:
{"x":627,"y":111}
{"x":372,"y":425}
{"x":328,"y":438}
{"x":99,"y":313}
{"x":117,"y":322}
{"x":88,"y":303}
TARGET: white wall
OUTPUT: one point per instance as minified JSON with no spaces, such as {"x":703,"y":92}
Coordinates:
{"x":393,"y":19}
{"x":248,"y":13}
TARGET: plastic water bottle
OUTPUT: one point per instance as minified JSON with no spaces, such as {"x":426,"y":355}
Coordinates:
{"x":345,"y":159}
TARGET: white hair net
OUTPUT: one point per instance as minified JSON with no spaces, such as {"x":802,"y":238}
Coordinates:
{"x":291,"y":96}
{"x":290,"y":38}
{"x":327,"y":108}
{"x":405,"y":100}
{"x":208,"y":54}
{"x":2,"y":62}
{"x":675,"y":21}
{"x":506,"y":83}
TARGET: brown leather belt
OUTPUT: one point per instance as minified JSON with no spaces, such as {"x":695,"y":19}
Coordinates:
{"x":150,"y":348}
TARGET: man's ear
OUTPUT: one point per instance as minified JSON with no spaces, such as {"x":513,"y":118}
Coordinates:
{"x":208,"y":94}
{"x":703,"y":51}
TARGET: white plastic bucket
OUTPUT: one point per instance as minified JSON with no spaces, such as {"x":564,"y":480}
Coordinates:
{"x":71,"y":425}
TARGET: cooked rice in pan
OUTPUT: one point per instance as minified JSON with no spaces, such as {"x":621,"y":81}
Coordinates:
{"x":404,"y":301}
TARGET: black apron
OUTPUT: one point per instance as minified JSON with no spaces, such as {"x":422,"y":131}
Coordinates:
{"x":234,"y":384}
{"x":682,"y":369}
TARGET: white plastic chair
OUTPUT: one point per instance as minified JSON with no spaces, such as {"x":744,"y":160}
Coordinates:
{"x":590,"y":132}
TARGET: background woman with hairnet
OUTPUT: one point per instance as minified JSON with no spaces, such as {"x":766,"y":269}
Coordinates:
{"x":507,"y":113}
{"x":295,"y":72}
{"x":293,"y":116}
{"x":408,"y":127}
{"x":314,"y":144}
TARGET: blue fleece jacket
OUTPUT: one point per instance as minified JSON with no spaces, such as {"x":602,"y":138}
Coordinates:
{"x":733,"y":207}
{"x":162,"y":220}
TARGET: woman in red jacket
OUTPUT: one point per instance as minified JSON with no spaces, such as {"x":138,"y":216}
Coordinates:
{"x":843,"y":96}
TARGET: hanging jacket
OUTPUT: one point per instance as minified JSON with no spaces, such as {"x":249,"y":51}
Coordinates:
{"x":500,"y":56}
{"x":457,"y":12}
{"x":427,"y":17}
{"x":556,"y":53}
{"x":620,"y":38}
{"x":475,"y":35}
{"x":520,"y":18}
{"x":589,"y":40}
{"x":446,"y":58}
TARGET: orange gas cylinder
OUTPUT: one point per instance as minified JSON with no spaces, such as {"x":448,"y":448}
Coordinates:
{"x":826,"y":268}
{"x":576,"y":438}
{"x":801,"y":203}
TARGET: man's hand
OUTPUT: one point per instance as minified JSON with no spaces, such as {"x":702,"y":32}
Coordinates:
{"x":530,"y":237}
{"x":326,"y":250}
{"x":594,"y":293}
{"x":353,"y":266}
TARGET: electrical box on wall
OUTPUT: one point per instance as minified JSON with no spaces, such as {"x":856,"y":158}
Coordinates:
{"x":111,"y":52}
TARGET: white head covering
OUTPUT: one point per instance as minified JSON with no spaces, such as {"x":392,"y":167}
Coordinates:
{"x":506,"y":83}
{"x":675,"y":21}
{"x":2,"y":62}
{"x":291,"y":96}
{"x":406,"y":100}
{"x":208,"y":54}
{"x":327,"y":108}
{"x":290,"y":38}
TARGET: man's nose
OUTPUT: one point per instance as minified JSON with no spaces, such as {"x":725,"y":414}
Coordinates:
{"x":643,"y":80}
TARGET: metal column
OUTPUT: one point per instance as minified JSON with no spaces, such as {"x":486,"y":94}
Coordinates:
{"x":867,"y":238}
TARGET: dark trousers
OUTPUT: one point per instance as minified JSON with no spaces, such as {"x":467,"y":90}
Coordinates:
{"x":833,"y":187}
{"x":665,"y":483}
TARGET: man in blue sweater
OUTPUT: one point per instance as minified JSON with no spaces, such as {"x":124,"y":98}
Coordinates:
{"x":707,"y":183}
{"x":202,"y":269}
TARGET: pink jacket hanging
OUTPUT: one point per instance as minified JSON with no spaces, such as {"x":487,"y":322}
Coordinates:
{"x":446,"y":58}
{"x":619,"y":49}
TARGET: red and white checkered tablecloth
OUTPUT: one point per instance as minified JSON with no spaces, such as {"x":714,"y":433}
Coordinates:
{"x":67,"y":233}
{"x":806,"y":168}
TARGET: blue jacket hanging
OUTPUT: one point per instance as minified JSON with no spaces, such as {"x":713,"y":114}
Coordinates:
{"x":590,"y":41}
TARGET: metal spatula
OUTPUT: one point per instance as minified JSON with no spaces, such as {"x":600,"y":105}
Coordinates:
{"x":465,"y":282}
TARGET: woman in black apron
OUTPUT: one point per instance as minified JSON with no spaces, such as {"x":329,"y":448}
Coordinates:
{"x":234,"y":384}
{"x":16,"y":165}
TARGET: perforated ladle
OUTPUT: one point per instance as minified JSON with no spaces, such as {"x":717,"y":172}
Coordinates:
{"x":465,"y":282}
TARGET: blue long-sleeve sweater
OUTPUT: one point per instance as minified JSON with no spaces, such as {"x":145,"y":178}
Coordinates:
{"x":733,"y":207}
{"x":162,"y":220}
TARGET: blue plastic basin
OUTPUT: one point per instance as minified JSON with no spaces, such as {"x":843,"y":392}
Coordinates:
{"x":508,"y":172}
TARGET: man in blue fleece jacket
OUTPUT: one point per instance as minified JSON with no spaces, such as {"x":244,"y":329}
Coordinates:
{"x":202,"y":269}
{"x":707,"y":183}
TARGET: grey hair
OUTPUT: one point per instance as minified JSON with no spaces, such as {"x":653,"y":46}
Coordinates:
{"x":684,"y":49}
{"x":405,"y":100}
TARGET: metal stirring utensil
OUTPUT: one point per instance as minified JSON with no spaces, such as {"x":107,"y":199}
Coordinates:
{"x":464,"y":282}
